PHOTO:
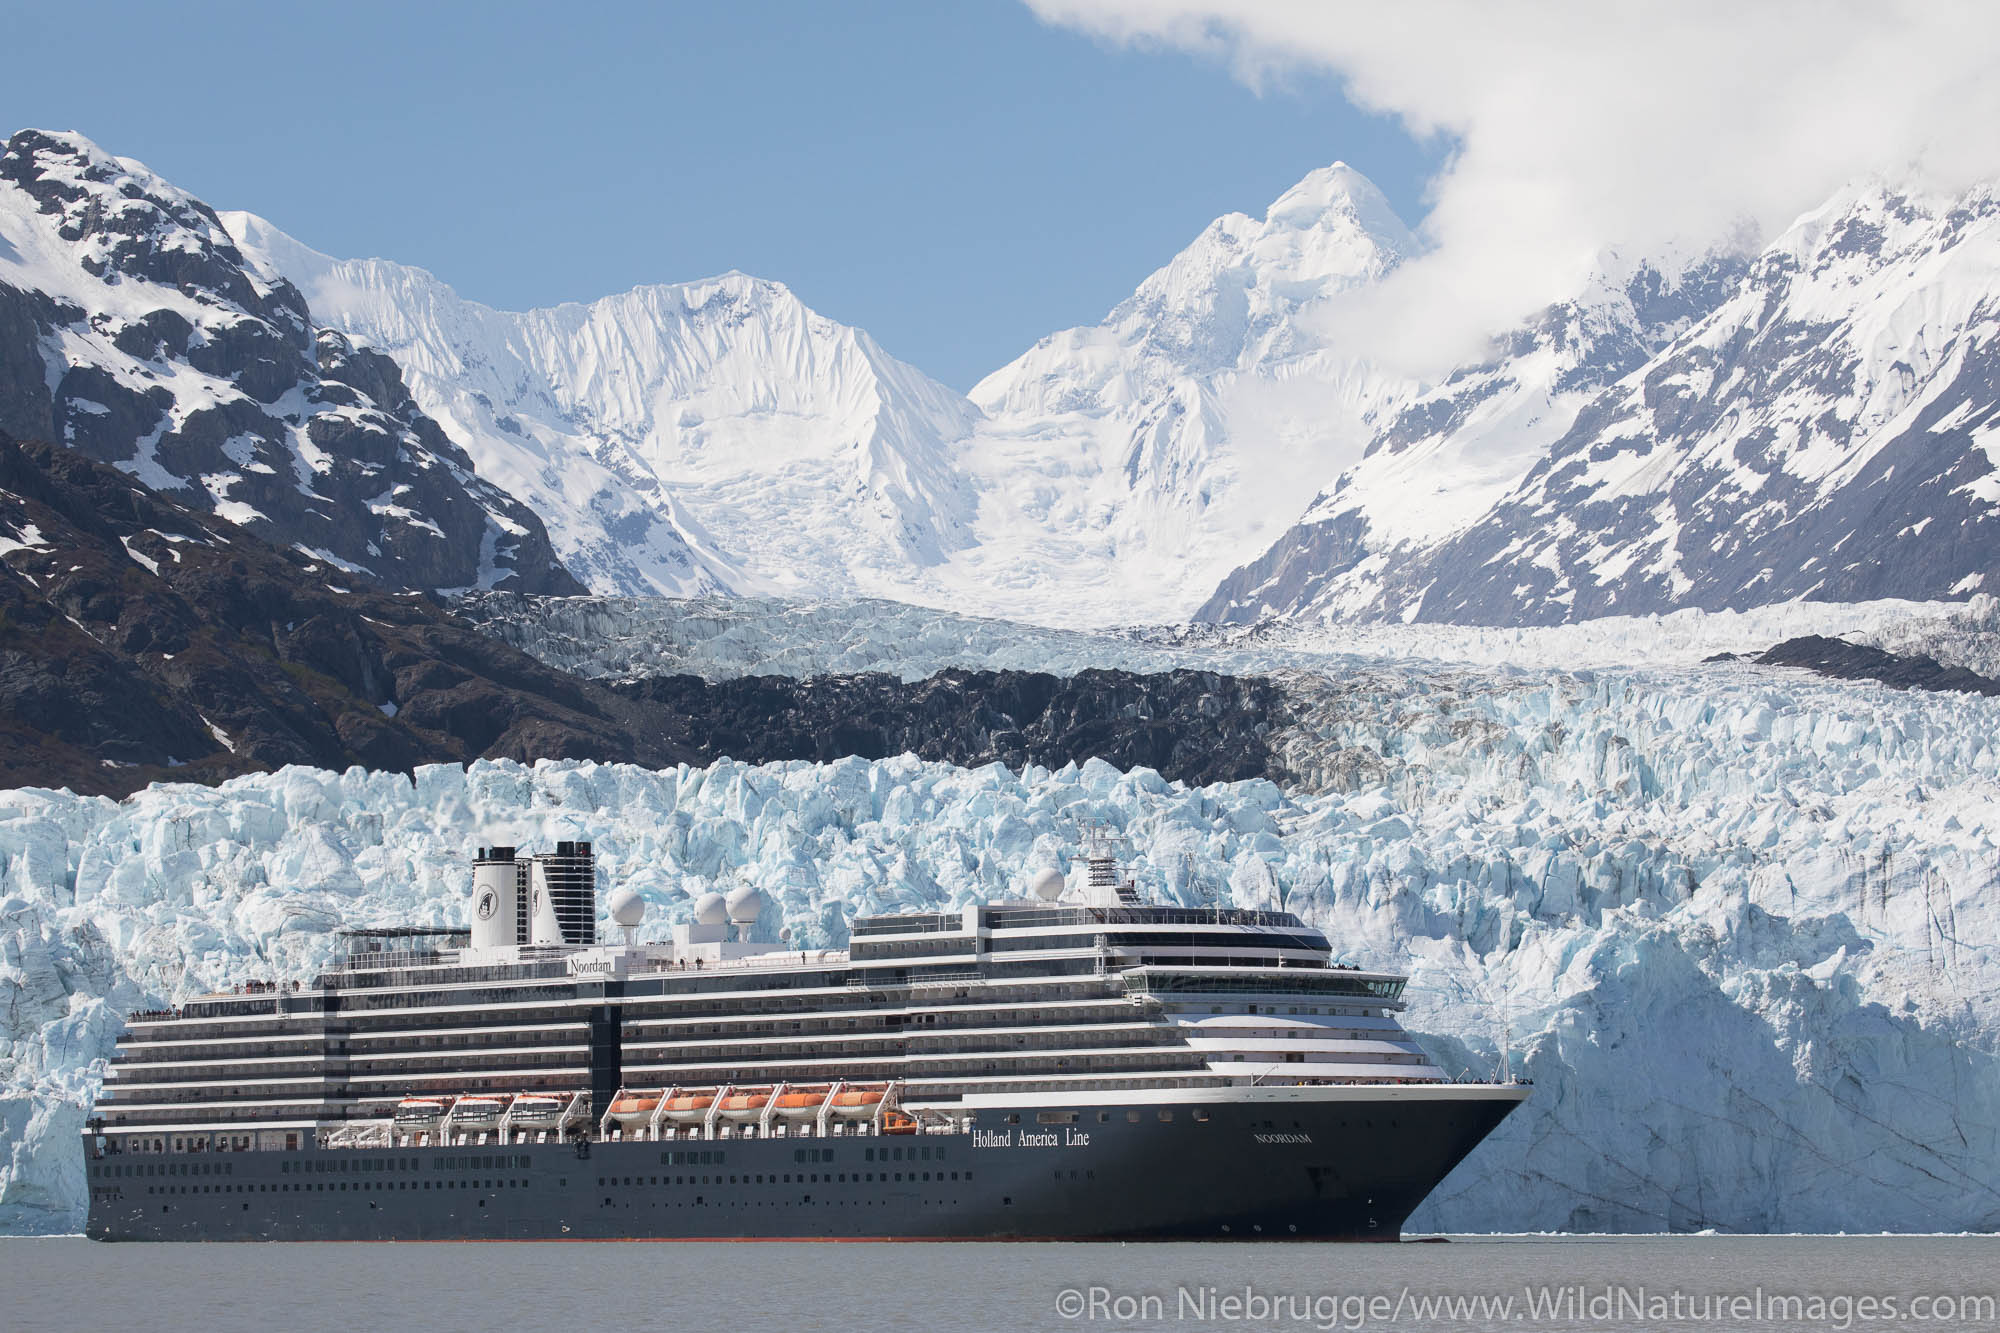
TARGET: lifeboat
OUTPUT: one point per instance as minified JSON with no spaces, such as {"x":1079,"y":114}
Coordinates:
{"x":635,"y":1108}
{"x":857,"y":1103}
{"x":895,"y":1122}
{"x":690,"y":1108}
{"x":535,"y":1109}
{"x":745,"y":1105}
{"x":419,"y":1111}
{"x":477,"y":1112}
{"x":800,"y":1103}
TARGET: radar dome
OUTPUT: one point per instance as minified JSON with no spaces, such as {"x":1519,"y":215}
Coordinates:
{"x":711,"y":909}
{"x":1048,"y":885}
{"x":744,"y":904}
{"x":627,"y":908}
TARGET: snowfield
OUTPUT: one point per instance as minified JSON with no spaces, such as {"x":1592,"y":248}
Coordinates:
{"x":1739,"y":925}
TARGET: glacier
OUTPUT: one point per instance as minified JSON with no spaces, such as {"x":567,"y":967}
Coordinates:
{"x":1738,"y":925}
{"x":720,"y":638}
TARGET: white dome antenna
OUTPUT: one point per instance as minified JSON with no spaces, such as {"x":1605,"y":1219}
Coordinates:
{"x":744,"y":904}
{"x":1048,"y":884}
{"x":711,"y":909}
{"x":628,"y":909}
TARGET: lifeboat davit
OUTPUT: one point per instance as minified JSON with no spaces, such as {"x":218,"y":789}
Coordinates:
{"x":635,"y":1108}
{"x":857,"y":1103}
{"x":477,"y":1112}
{"x":800,"y":1103}
{"x":532,"y":1109}
{"x":745,"y":1105}
{"x":690,"y":1108}
{"x":419,"y":1111}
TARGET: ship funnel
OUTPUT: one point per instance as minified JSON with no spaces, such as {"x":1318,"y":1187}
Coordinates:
{"x":496,"y":885}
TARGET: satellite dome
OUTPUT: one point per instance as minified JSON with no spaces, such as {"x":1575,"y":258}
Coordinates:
{"x":627,"y":908}
{"x":743,"y":904}
{"x":711,"y":909}
{"x":1048,"y":884}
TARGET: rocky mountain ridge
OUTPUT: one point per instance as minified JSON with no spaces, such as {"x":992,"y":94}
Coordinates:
{"x":132,"y":330}
{"x":1819,"y":425}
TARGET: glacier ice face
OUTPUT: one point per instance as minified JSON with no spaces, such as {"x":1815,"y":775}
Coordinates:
{"x":1739,"y":926}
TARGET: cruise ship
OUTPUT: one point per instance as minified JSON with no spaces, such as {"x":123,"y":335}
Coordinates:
{"x":1077,"y":1063}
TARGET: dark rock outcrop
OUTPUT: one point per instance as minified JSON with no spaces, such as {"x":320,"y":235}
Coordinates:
{"x":1857,"y":661}
{"x":141,"y":640}
{"x":1190,"y":726}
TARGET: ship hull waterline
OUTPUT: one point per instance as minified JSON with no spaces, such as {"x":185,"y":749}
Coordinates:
{"x":1298,"y":1167}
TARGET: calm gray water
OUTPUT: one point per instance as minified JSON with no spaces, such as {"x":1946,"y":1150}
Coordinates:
{"x":1694,"y":1282}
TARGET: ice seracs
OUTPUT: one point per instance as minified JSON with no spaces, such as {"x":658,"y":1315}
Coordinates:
{"x":1799,"y":872}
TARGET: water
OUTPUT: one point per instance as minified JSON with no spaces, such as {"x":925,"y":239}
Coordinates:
{"x":1627,"y":1283}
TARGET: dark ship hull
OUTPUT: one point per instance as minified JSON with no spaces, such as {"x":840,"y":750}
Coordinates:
{"x":1294,"y":1164}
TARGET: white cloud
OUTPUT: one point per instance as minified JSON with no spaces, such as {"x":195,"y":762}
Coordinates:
{"x":1583,"y":126}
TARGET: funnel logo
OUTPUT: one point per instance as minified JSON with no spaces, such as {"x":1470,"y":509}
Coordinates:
{"x":488,"y":902}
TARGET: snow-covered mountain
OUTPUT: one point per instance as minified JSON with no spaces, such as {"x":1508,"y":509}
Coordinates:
{"x":131,"y":329}
{"x":1130,"y":464}
{"x":686,"y":438}
{"x":1716,"y":430}
{"x":1814,"y":422}
{"x":721,"y":437}
{"x":1459,"y":447}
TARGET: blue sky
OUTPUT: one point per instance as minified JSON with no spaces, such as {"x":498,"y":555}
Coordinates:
{"x":954,"y":177}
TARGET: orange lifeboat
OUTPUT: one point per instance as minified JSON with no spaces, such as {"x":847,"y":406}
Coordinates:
{"x":419,"y":1111}
{"x":800,"y":1103}
{"x":477,"y":1112}
{"x":690,"y":1108}
{"x":747,"y":1105}
{"x":895,"y":1122}
{"x":535,"y":1109}
{"x":857,"y":1103}
{"x":635,"y":1108}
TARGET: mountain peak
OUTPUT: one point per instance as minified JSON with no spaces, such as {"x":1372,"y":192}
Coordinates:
{"x":672,"y":433}
{"x":1340,"y":192}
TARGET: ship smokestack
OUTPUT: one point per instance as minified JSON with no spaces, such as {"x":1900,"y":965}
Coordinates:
{"x":496,"y":884}
{"x":564,"y":909}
